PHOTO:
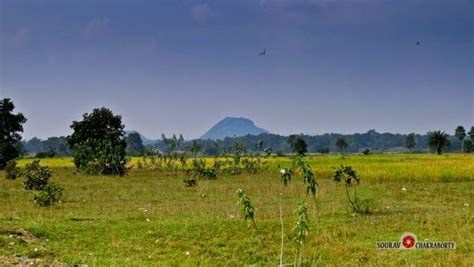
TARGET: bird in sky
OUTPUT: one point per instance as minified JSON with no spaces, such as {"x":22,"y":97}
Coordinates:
{"x":263,"y":53}
{"x":418,"y":43}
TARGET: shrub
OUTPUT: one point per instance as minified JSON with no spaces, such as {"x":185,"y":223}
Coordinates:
{"x":366,"y":151}
{"x":108,"y":158}
{"x":12,"y":171}
{"x":190,"y":182}
{"x":99,"y":143}
{"x":49,"y":195}
{"x":37,"y":177}
{"x":199,"y":169}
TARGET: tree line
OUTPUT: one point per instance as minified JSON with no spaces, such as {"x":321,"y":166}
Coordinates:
{"x":99,"y":144}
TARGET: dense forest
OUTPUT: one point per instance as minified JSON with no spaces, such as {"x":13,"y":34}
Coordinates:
{"x":276,"y":144}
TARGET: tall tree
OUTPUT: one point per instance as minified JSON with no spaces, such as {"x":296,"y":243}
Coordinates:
{"x":99,"y":143}
{"x":410,"y":141}
{"x":298,"y":145}
{"x":11,"y":125}
{"x":438,"y":140}
{"x":134,"y":144}
{"x":460,"y":134}
{"x":342,"y":144}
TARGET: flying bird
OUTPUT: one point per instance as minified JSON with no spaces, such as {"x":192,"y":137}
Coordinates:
{"x":418,"y":43}
{"x":263,"y":53}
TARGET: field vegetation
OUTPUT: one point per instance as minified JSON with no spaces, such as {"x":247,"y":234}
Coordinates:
{"x":149,"y":217}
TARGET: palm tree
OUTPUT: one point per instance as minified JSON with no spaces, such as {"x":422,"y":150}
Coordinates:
{"x":341,"y":143}
{"x":438,"y":140}
{"x":460,"y":134}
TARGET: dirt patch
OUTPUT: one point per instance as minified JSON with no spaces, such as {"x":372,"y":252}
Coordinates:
{"x":24,"y":235}
{"x":24,"y":261}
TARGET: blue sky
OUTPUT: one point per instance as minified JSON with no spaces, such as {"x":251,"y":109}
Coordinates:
{"x":180,"y":66}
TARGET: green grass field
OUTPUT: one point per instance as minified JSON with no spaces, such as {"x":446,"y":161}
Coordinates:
{"x":149,"y":218}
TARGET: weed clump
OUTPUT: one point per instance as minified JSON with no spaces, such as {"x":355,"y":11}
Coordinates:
{"x":49,"y":195}
{"x":37,"y":177}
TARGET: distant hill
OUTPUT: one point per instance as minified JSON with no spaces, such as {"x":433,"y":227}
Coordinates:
{"x":230,"y":127}
{"x":146,"y":141}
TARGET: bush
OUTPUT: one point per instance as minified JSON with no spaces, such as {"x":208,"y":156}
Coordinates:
{"x":12,"y":171}
{"x":366,"y":151}
{"x":108,"y":158}
{"x":49,"y":195}
{"x":190,"y":182}
{"x":99,"y":144}
{"x":37,"y":177}
{"x":199,"y":169}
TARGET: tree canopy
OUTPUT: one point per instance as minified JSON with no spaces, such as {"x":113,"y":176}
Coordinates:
{"x":438,"y":140}
{"x":11,"y":125}
{"x":298,"y":145}
{"x":134,"y":144}
{"x":99,"y":143}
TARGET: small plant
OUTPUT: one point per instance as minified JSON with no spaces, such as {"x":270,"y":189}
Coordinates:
{"x":308,"y":175}
{"x":301,"y":228}
{"x":37,"y":177}
{"x":366,"y":151}
{"x":12,"y":171}
{"x":247,"y":208}
{"x":351,"y":181}
{"x":49,"y":195}
{"x":190,"y":182}
{"x":285,"y":175}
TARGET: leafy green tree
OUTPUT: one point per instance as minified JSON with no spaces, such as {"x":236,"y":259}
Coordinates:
{"x":471,"y":133}
{"x":342,"y":144}
{"x":410,"y":141}
{"x":134,"y":144}
{"x":10,"y":127}
{"x":438,"y":140}
{"x":460,"y":134}
{"x":468,"y":146}
{"x":298,"y":145}
{"x":99,"y":143}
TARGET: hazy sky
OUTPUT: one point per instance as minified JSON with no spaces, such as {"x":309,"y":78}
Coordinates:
{"x":180,"y":66}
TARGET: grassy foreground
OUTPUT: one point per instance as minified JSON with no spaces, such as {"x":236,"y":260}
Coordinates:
{"x":149,"y":218}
